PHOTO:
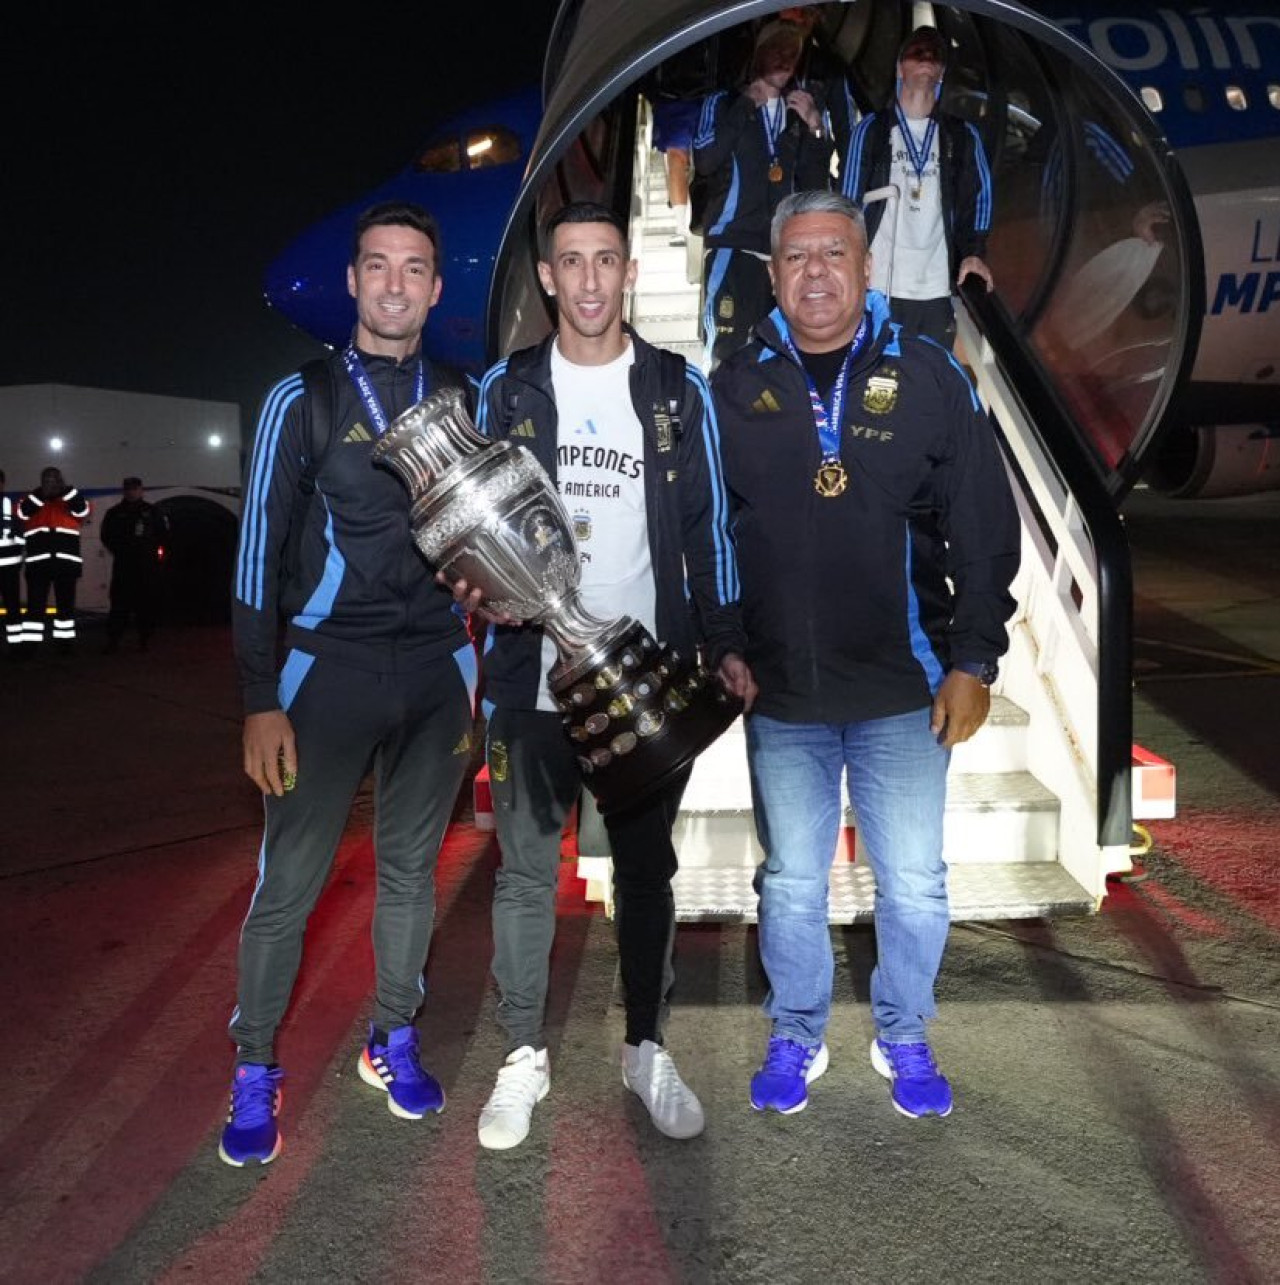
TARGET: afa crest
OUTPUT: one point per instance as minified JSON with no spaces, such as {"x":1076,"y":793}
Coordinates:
{"x":881,"y":393}
{"x":726,"y":308}
{"x":582,"y":526}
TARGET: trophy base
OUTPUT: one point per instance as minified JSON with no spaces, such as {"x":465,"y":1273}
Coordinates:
{"x":639,"y":715}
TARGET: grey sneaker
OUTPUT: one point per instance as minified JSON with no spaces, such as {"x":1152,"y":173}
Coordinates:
{"x":523,"y":1082}
{"x":650,"y":1073}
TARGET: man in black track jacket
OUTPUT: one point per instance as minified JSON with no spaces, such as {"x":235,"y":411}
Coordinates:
{"x":878,"y":539}
{"x":627,"y":435}
{"x":379,"y":671}
{"x":753,"y":146}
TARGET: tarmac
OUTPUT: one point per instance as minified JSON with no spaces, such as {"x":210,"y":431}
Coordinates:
{"x":1117,"y":1076}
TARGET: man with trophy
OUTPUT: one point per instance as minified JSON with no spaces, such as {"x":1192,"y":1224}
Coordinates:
{"x":878,"y":540}
{"x":379,"y":671}
{"x":627,"y":436}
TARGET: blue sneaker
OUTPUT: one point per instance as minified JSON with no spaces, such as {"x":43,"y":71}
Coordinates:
{"x":782,"y":1083}
{"x":919,"y":1088}
{"x":251,"y":1134}
{"x":390,"y":1062}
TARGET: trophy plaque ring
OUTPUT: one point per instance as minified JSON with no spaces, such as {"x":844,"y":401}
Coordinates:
{"x":637,"y":711}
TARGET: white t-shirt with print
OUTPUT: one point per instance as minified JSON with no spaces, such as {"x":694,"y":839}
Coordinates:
{"x":918,"y":261}
{"x":600,"y":478}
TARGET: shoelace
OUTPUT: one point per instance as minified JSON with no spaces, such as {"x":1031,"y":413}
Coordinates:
{"x":665,"y":1085}
{"x":253,"y":1101}
{"x":517,"y":1085}
{"x":785,"y":1057}
{"x":912,"y":1061}
{"x":403,"y":1060}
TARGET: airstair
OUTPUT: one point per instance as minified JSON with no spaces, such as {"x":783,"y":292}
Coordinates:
{"x":1020,"y":833}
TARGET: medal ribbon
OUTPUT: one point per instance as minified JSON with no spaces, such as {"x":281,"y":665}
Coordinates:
{"x":919,"y":155}
{"x":773,"y":123}
{"x":828,"y":421}
{"x":369,"y":395}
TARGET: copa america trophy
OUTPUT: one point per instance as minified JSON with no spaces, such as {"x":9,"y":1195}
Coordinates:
{"x":486,"y":512}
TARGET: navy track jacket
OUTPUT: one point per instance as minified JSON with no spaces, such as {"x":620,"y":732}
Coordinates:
{"x":730,"y":150}
{"x":848,"y":610}
{"x":694,"y":564}
{"x":359,"y":591}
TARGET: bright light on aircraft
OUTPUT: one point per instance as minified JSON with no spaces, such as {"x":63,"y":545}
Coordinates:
{"x":479,"y":146}
{"x":55,"y":443}
{"x":215,"y":440}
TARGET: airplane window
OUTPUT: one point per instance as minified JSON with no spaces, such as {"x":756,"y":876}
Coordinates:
{"x":441,"y":157}
{"x":1193,"y":98}
{"x":1153,"y":99}
{"x":492,"y":145}
{"x":1237,"y":99}
{"x":1273,"y":96}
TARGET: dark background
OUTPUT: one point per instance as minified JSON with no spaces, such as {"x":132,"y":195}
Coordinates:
{"x":156,"y":158}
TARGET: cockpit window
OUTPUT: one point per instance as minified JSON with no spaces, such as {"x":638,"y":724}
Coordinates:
{"x":444,"y":156}
{"x":480,"y":149}
{"x":493,"y":145}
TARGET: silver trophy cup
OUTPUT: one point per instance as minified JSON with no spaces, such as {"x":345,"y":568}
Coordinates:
{"x":486,"y":512}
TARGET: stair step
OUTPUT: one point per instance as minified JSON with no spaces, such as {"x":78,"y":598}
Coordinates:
{"x":669,"y":330}
{"x":668,"y":303}
{"x":976,"y":892}
{"x":720,"y":773}
{"x":1005,"y":816}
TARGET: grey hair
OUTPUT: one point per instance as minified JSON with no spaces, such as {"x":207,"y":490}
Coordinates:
{"x":814,"y":202}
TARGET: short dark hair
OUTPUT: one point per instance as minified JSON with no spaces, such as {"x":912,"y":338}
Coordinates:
{"x":405,"y":214}
{"x":579,"y":212}
{"x":926,"y":36}
{"x":130,"y":481}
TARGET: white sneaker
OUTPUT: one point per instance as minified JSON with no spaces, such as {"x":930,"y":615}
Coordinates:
{"x":522,"y":1083}
{"x":650,"y":1073}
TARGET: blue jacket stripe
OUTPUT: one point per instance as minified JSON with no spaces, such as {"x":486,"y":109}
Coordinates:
{"x":1109,"y":153}
{"x":707,"y":120}
{"x":482,"y":398}
{"x":296,"y":667}
{"x":320,"y":605}
{"x":983,"y":220}
{"x":730,"y":203}
{"x":250,"y":572}
{"x":853,"y":162}
{"x":719,"y":266}
{"x":251,"y":568}
{"x":726,"y":562}
{"x":974,"y":399}
{"x":920,"y":646}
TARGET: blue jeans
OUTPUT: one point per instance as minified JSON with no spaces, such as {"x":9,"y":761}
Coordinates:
{"x":897,"y":786}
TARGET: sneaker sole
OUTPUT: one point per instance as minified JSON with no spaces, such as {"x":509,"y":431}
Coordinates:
{"x":816,"y":1068}
{"x":882,"y":1067}
{"x":251,"y":1160}
{"x":374,"y":1080}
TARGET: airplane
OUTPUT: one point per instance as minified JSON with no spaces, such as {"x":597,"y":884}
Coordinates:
{"x":1202,"y":75}
{"x":467,"y":173}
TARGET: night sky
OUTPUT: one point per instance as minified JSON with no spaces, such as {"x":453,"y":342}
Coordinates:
{"x":156,"y":158}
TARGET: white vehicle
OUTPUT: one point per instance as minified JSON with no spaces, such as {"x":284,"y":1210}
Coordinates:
{"x":187,"y":453}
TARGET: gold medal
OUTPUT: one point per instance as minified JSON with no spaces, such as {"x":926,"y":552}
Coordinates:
{"x":775,"y":173}
{"x":831,"y":479}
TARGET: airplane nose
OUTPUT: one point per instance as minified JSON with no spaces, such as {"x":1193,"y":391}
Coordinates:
{"x":307,"y":281}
